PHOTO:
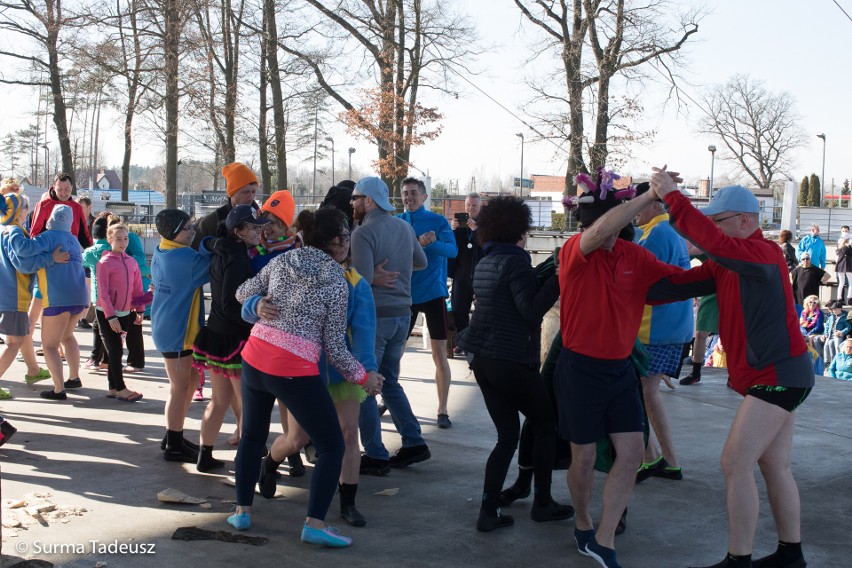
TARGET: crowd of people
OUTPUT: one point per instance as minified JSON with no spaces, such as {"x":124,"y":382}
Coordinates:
{"x":314,"y":311}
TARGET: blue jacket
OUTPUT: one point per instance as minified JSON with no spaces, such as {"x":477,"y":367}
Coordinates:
{"x":62,"y":284}
{"x":841,"y":367}
{"x":431,"y":282}
{"x":815,"y":246}
{"x":177,"y":313}
{"x":842,"y":324}
{"x":667,"y":323}
{"x":360,"y":326}
{"x":20,"y":257}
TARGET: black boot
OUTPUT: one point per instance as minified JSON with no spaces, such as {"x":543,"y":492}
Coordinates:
{"x":206,"y":462}
{"x":266,"y":483}
{"x":297,"y":468}
{"x":519,"y":490}
{"x":489,"y":515}
{"x":347,"y":505}
{"x":189,"y":444}
{"x":177,"y":450}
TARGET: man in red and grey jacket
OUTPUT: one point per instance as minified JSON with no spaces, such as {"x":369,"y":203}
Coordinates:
{"x":768,"y":362}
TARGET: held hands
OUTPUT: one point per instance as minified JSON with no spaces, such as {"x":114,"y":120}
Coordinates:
{"x":664,"y":182}
{"x":427,"y":238}
{"x":384,"y":278}
{"x":114,"y":325}
{"x":374,"y":383}
{"x":60,"y":257}
{"x":140,"y":317}
{"x":266,"y":310}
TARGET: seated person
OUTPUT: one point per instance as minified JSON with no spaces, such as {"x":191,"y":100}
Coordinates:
{"x":812,"y":320}
{"x":841,"y":365}
{"x":837,"y":329}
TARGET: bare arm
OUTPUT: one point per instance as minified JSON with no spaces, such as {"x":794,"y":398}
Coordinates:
{"x":612,"y":222}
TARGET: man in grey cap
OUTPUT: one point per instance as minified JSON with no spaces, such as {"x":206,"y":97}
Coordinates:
{"x":768,"y":361}
{"x":385,"y":240}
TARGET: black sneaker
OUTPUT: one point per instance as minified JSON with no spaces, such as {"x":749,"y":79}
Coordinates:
{"x":183,"y":453}
{"x":73,"y":383}
{"x":512,"y":494}
{"x":83,"y":324}
{"x":444,"y":421}
{"x":551,"y":512}
{"x":6,"y":432}
{"x":352,"y":516}
{"x":404,"y":457}
{"x":50,"y":395}
{"x":690,"y":379}
{"x":374,"y":466}
{"x":266,"y":484}
{"x":487,"y":523}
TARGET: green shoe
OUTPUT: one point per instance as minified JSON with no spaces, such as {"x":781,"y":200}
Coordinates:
{"x":42,"y":375}
{"x":5,"y":394}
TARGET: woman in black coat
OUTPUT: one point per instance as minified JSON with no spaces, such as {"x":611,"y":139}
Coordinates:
{"x":504,"y":338}
{"x":789,"y":252}
{"x":843,"y":269}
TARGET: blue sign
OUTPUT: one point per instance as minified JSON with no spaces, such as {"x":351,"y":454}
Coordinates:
{"x":528,"y":183}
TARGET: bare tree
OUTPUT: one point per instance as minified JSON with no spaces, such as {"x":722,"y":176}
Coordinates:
{"x":759,"y":129}
{"x":623,"y":37}
{"x":404,"y":45}
{"x":39,"y":25}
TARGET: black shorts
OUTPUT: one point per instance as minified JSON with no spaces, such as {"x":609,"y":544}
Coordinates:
{"x":596,"y":397}
{"x":788,"y":398}
{"x":176,"y":354}
{"x":435,"y":312}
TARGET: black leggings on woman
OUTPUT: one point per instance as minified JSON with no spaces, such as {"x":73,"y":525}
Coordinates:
{"x":114,"y":348}
{"x":509,"y":388}
{"x":308,"y":401}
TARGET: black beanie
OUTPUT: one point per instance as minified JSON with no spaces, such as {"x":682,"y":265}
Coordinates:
{"x":99,"y":228}
{"x":339,"y":196}
{"x":170,"y":222}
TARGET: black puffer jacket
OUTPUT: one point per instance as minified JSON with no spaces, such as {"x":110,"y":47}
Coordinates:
{"x":229,"y":267}
{"x":510,"y":305}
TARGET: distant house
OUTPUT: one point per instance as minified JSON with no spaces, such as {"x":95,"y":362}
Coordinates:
{"x":104,"y":179}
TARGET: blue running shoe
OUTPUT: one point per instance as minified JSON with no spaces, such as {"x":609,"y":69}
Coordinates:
{"x":582,"y":538}
{"x":329,"y":536}
{"x":240,"y":521}
{"x":605,"y":556}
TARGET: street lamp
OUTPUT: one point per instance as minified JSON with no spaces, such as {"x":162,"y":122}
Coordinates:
{"x":330,"y":139}
{"x":712,"y":150}
{"x":351,"y":151}
{"x":521,"y":178}
{"x":46,"y":167}
{"x":822,"y":179}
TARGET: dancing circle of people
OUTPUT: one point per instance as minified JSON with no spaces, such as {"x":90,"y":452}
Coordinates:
{"x":314,"y":311}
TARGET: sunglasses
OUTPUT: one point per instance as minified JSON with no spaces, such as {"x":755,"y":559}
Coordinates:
{"x":356,"y":198}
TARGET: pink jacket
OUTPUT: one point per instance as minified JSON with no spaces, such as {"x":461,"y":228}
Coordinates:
{"x":119,"y":284}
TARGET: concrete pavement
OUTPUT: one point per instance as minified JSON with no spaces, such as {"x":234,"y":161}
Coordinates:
{"x":103,"y":456}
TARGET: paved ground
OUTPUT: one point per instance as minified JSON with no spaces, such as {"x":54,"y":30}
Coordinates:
{"x":103,"y":456}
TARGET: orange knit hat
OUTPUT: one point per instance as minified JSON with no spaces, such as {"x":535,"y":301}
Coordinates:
{"x":237,"y":176}
{"x":282,"y":205}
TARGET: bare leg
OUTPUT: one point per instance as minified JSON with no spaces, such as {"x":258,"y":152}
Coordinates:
{"x":52,"y":332}
{"x":658,"y":417}
{"x":71,"y":347}
{"x":580,"y":483}
{"x":652,"y":451}
{"x":619,"y":484}
{"x":780,"y":485}
{"x":290,"y":443}
{"x":700,"y":346}
{"x":181,"y":387}
{"x":214,"y":414}
{"x":442,"y":372}
{"x":758,"y":426}
{"x":347,"y":413}
{"x":10,"y":351}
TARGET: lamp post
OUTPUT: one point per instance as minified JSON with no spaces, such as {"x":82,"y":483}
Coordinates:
{"x":822,"y":179}
{"x":330,"y":139}
{"x":46,"y":167}
{"x":351,"y":151}
{"x":712,"y":150}
{"x":521,"y":178}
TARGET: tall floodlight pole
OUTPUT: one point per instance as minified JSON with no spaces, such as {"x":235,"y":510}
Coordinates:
{"x":330,"y":139}
{"x":521,"y":178}
{"x":712,"y":150}
{"x":822,"y":179}
{"x":351,"y":151}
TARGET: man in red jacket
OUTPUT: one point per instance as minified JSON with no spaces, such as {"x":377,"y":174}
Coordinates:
{"x":769,"y":367}
{"x":60,"y":194}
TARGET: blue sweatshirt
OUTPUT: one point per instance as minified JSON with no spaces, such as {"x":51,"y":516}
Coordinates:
{"x":431,"y":282}
{"x":20,"y":257}
{"x":666,"y":324}
{"x":62,"y":284}
{"x":177,"y":313}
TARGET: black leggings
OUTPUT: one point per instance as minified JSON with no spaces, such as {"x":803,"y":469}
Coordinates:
{"x":134,"y":340}
{"x":509,"y":388}
{"x":308,"y":401}
{"x":114,"y":348}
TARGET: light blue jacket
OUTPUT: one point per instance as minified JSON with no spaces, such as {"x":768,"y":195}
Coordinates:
{"x":841,"y":367}
{"x":815,"y":246}
{"x":431,"y":282}
{"x":62,"y":284}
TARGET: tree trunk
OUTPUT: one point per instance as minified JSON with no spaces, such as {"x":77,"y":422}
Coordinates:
{"x":277,"y":97}
{"x":171,"y":44}
{"x":263,"y":142}
{"x":60,"y":120}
